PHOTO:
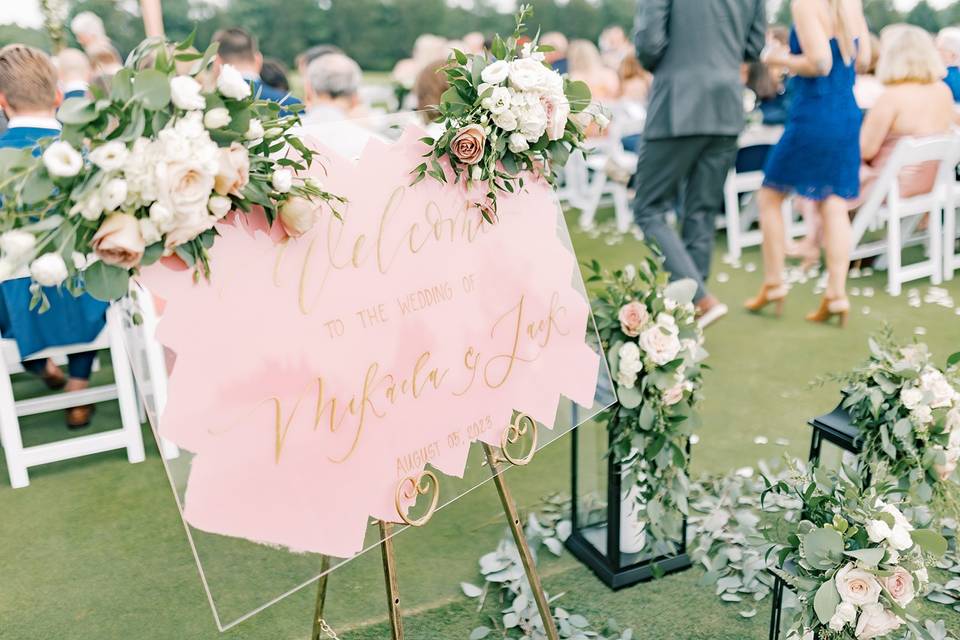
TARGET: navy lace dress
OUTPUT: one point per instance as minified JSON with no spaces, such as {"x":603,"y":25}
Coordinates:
{"x":819,"y":153}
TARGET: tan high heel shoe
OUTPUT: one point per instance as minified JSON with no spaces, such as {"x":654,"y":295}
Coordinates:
{"x":769,"y":294}
{"x":830,"y":307}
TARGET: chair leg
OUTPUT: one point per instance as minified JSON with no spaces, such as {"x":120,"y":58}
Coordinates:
{"x":123,"y":378}
{"x":949,"y":240}
{"x":621,"y":206}
{"x":894,"y":277}
{"x":732,"y":214}
{"x":10,"y":432}
{"x":936,"y":247}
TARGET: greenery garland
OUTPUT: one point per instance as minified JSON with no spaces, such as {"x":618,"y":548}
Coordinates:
{"x":655,"y":351}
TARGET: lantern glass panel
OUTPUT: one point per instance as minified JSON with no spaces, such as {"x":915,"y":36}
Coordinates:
{"x":592,"y":487}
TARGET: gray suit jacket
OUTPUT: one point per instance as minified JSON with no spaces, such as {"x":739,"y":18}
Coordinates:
{"x":694,"y":49}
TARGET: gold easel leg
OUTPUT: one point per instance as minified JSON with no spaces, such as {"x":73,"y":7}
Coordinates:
{"x":318,"y":622}
{"x":516,"y":528}
{"x":390,"y":578}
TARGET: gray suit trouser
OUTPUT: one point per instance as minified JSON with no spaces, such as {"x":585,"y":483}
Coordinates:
{"x":685,"y":174}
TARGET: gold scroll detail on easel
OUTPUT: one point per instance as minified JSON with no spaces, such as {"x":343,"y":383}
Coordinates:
{"x":412,"y":487}
{"x":521,"y":426}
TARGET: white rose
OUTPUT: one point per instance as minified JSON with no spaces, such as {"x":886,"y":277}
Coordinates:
{"x":525,"y":74}
{"x":876,"y":622}
{"x":190,"y":127}
{"x":216,"y":118}
{"x":49,"y":270}
{"x":17,"y":245}
{"x":149,"y":231}
{"x":282,"y":180}
{"x":845,"y":614}
{"x":878,"y":530}
{"x":160,"y":215}
{"x":922,"y":414}
{"x":62,"y":160}
{"x":255,"y":130}
{"x":219,"y":206}
{"x":857,"y":586}
{"x":91,"y":208}
{"x":185,"y":93}
{"x":498,"y":101}
{"x":231,"y":83}
{"x":506,"y":120}
{"x":629,"y":352}
{"x":184,"y":188}
{"x":911,"y":397}
{"x":110,"y":156}
{"x":113,"y":193}
{"x":495,"y":73}
{"x":532,"y":121}
{"x":935,"y":383}
{"x":517,"y":143}
{"x":660,"y":343}
{"x":900,"y":538}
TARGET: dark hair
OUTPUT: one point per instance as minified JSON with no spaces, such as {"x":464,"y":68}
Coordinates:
{"x":274,"y":74}
{"x":318,"y":51}
{"x":761,"y":81}
{"x":430,"y":84}
{"x":236,"y":43}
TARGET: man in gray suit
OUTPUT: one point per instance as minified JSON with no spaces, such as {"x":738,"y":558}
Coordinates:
{"x":694,"y":49}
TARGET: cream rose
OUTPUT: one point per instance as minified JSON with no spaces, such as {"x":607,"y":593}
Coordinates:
{"x":216,"y":118}
{"x":945,"y":470}
{"x":467,"y":146}
{"x":900,"y":586}
{"x":282,"y":180}
{"x":876,"y":622}
{"x":185,"y":93}
{"x":184,"y":188}
{"x":525,"y":74}
{"x":844,"y":614}
{"x":231,"y":83}
{"x":558,"y":110}
{"x":49,"y":270}
{"x":674,"y":394}
{"x":233,"y":173}
{"x":517,"y":143}
{"x":189,"y":227}
{"x":495,"y":73}
{"x":119,"y":241}
{"x":219,"y":206}
{"x":857,"y":586}
{"x":660,"y":343}
{"x":633,"y":316}
{"x":297,"y":216}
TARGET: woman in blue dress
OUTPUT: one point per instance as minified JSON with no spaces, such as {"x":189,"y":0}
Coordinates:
{"x":818,"y":156}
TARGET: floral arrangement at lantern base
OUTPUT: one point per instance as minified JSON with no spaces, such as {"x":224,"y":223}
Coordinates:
{"x":855,"y":563}
{"x":655,"y":351}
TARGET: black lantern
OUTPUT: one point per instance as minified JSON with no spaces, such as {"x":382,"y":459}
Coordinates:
{"x":841,"y":437}
{"x":605,"y":528}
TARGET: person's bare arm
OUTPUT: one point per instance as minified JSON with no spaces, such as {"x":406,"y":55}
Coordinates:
{"x":817,"y":57}
{"x":876,"y":127}
{"x":862,"y":32}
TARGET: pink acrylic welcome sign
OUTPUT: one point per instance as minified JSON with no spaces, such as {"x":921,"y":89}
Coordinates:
{"x":311,"y":376}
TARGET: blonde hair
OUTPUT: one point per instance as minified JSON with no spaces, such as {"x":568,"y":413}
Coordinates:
{"x":28,"y":78}
{"x":583,"y":57}
{"x":908,"y":54}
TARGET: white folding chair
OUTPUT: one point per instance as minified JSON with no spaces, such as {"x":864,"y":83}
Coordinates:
{"x":951,"y":233}
{"x":902,"y":216}
{"x":128,"y":436}
{"x":738,"y":225}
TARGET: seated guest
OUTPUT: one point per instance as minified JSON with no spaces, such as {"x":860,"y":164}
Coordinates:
{"x":75,"y":72}
{"x":430,"y":84}
{"x":867,"y":87}
{"x":87,"y":28}
{"x":239,"y":49}
{"x":948,"y":45}
{"x":274,"y":75}
{"x":584,"y":63}
{"x":635,"y":81}
{"x":304,"y":59}
{"x":614,"y":46}
{"x":914,"y":103}
{"x":558,"y":57}
{"x":332,"y":89}
{"x":767,"y":84}
{"x":105,"y":59}
{"x":30,"y":97}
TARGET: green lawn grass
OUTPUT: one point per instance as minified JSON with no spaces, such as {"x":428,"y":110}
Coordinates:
{"x":95,"y":549}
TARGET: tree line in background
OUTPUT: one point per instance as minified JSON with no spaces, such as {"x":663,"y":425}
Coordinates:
{"x":377,"y":33}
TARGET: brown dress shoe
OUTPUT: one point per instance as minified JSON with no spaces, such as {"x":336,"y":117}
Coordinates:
{"x":53,"y":376}
{"x":79,"y":417}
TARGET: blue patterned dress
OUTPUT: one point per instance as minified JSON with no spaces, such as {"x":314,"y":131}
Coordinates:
{"x":819,"y":153}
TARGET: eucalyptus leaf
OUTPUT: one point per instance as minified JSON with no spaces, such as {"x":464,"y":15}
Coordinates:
{"x":825,"y":601}
{"x":152,"y":88}
{"x":106,"y":282}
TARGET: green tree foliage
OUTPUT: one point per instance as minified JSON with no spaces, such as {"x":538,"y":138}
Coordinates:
{"x":924,"y":16}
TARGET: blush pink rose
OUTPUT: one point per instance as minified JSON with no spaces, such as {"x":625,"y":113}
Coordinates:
{"x":876,"y":622}
{"x":119,"y":242}
{"x":233,"y":174}
{"x":900,"y":586}
{"x":297,"y":216}
{"x":467,"y":146}
{"x":633,"y":316}
{"x":558,"y":111}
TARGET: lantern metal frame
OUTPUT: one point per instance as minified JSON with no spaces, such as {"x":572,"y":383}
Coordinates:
{"x":607,"y":565}
{"x":835,"y":428}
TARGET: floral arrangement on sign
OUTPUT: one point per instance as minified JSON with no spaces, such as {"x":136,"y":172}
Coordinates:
{"x":655,"y":351}
{"x":145,"y":171}
{"x":506,"y":114}
{"x":908,"y":414}
{"x":855,"y":562}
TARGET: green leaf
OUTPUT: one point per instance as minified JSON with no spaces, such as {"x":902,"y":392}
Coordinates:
{"x":77,"y":111}
{"x":868,"y":557}
{"x":153,"y":88}
{"x":578,"y":94}
{"x":480,"y":633}
{"x":629,"y":398}
{"x":152,"y":254}
{"x":36,"y":188}
{"x":498,"y":48}
{"x":121,"y":87}
{"x":826,"y":601}
{"x":106,"y":282}
{"x":930,"y":541}
{"x":823,"y":548}
{"x":953,"y":359}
